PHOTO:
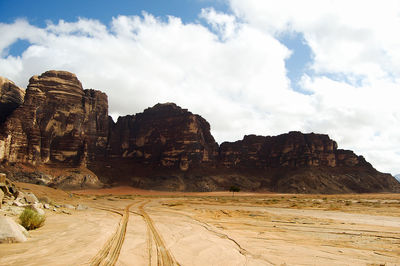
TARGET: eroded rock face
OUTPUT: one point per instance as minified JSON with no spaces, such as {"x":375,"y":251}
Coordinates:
{"x":11,"y":96}
{"x":167,"y":147}
{"x":58,"y":123}
{"x":293,"y":149}
{"x":164,"y":135}
{"x":303,"y":163}
{"x":62,"y":126}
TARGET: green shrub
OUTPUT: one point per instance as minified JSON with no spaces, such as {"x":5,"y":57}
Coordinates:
{"x":30,"y":219}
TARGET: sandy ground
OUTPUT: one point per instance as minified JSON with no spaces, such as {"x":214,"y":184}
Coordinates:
{"x":128,"y":226}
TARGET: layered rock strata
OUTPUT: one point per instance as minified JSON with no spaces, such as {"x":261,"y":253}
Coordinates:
{"x":11,"y":97}
{"x":164,"y":135}
{"x":60,"y":125}
{"x":293,"y":149}
{"x":167,"y":147}
{"x":303,"y":163}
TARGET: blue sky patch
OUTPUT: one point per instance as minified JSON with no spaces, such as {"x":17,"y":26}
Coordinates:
{"x":40,"y":12}
{"x":298,"y":63}
{"x":18,"y":47}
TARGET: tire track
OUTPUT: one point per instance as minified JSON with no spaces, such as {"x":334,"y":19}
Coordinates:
{"x":109,"y":254}
{"x":209,"y":228}
{"x":164,"y":257}
{"x":149,"y":244}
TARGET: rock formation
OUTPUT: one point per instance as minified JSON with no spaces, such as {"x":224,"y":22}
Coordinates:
{"x":294,"y":149}
{"x":309,"y":163}
{"x":148,"y":149}
{"x":164,"y":135}
{"x":11,"y":232}
{"x":11,"y":96}
{"x":58,"y":124}
{"x":165,"y":147}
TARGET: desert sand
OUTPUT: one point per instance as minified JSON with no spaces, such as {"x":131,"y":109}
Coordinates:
{"x":128,"y":226}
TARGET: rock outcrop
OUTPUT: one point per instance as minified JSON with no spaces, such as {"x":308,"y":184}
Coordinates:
{"x":167,"y":147}
{"x":11,"y":232}
{"x":148,"y":149}
{"x":60,"y":125}
{"x":7,"y":187}
{"x":303,"y":163}
{"x":294,"y":149}
{"x":11,"y":97}
{"x":164,"y":135}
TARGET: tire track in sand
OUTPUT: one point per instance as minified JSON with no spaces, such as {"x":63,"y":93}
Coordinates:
{"x":109,"y":254}
{"x":209,"y":228}
{"x":164,"y":257}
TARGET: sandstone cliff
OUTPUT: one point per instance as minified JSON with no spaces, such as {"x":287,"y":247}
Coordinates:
{"x":294,"y":149}
{"x":164,"y":135}
{"x":303,"y":163}
{"x":167,"y":147}
{"x":11,"y":96}
{"x":154,"y":148}
{"x":61,"y":131}
{"x":58,"y":124}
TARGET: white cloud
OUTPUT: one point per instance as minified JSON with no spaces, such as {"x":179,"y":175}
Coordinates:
{"x":352,"y":37}
{"x":234,"y":75}
{"x":355,"y":41}
{"x":231,"y":70}
{"x":222,"y":23}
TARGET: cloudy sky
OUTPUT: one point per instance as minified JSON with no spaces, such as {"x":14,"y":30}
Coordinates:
{"x":247,"y":66}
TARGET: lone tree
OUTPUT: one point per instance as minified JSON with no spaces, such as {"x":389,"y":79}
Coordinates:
{"x":234,"y":189}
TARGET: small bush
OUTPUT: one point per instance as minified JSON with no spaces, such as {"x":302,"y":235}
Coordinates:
{"x":30,"y":219}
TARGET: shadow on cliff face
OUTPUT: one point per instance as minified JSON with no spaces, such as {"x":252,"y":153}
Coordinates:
{"x":11,"y":97}
{"x":325,"y":180}
{"x":61,"y":131}
{"x":64,"y":178}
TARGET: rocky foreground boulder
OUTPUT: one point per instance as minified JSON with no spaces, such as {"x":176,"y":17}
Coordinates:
{"x":61,"y":135}
{"x":11,"y":232}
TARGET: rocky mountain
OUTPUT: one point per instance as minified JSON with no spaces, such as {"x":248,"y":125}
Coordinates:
{"x":61,"y":135}
{"x":297,"y":162}
{"x":58,"y":124}
{"x":397,"y":177}
{"x":167,"y":147}
{"x":166,"y":135}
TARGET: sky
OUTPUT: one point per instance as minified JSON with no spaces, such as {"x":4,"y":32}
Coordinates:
{"x":247,"y":66}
